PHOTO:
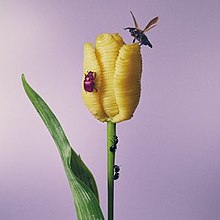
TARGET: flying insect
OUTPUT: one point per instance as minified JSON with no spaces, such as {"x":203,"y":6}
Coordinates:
{"x":138,"y":34}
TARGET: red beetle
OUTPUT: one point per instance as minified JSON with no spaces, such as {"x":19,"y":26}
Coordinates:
{"x":89,"y":81}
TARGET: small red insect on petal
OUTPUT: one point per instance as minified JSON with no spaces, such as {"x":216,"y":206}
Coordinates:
{"x":89,"y":81}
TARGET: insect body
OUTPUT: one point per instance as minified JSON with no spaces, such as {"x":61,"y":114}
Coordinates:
{"x":116,"y":176}
{"x":138,"y":34}
{"x":116,"y":169}
{"x":89,"y":81}
{"x":113,"y":148}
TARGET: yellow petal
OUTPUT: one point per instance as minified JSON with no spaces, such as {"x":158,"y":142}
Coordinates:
{"x":92,"y":99}
{"x":107,"y":49}
{"x":119,"y":39}
{"x":127,"y":82}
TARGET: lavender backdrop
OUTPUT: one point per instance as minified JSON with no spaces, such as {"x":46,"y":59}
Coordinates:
{"x":169,"y":152}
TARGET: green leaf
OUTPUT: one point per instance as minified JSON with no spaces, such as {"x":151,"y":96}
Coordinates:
{"x":81,"y":180}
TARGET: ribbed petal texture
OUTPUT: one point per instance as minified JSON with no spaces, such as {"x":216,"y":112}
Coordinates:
{"x":92,"y":99}
{"x":118,"y":70}
{"x":107,"y":49}
{"x":127,"y":81}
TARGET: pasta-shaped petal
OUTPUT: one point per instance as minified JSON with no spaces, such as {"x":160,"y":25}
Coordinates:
{"x":92,"y":99}
{"x":127,"y":81}
{"x":119,"y":39}
{"x":107,"y":49}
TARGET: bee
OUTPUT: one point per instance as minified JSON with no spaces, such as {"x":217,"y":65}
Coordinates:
{"x":138,"y":34}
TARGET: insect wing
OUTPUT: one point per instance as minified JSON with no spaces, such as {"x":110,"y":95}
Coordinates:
{"x":135,"y":22}
{"x":151,"y":24}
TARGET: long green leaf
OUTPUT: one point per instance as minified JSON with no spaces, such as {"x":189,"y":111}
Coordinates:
{"x":81,"y":180}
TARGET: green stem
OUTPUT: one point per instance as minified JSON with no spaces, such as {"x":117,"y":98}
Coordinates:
{"x":111,"y":134}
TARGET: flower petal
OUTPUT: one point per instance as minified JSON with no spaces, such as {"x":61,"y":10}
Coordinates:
{"x":127,"y":82}
{"x":92,"y":99}
{"x":107,"y":49}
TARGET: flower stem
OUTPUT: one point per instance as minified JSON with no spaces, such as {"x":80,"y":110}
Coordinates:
{"x":111,"y":135}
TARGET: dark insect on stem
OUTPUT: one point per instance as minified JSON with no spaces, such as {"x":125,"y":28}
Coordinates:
{"x":116,"y":176}
{"x":113,"y":148}
{"x":116,"y":168}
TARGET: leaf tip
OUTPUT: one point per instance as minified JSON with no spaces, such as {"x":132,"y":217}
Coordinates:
{"x":23,"y":78}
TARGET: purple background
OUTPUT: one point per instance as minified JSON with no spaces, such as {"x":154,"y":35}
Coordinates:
{"x":169,"y":152}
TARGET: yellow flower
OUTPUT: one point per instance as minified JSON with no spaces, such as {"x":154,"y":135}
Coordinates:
{"x":111,"y":82}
